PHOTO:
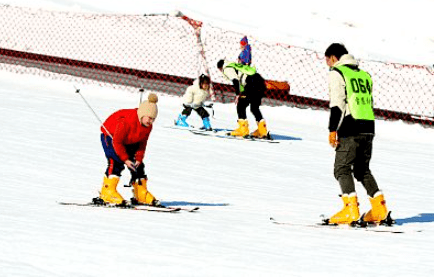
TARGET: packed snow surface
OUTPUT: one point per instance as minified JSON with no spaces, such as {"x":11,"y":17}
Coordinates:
{"x":51,"y":152}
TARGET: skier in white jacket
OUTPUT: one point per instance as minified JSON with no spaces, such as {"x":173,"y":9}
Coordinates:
{"x":193,"y":99}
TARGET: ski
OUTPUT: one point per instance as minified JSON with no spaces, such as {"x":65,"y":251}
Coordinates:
{"x":191,"y":210}
{"x":219,"y":133}
{"x":225,"y":135}
{"x":192,"y":128}
{"x":323,"y":225}
{"x":125,"y":207}
{"x":176,"y":127}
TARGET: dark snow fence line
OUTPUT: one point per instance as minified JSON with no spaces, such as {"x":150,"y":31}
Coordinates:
{"x":165,"y":53}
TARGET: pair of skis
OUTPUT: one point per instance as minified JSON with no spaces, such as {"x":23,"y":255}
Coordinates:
{"x":222,"y":133}
{"x":130,"y":206}
{"x":226,"y":135}
{"x":386,"y":226}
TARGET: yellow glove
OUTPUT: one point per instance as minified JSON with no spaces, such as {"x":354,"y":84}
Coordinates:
{"x":333,"y":139}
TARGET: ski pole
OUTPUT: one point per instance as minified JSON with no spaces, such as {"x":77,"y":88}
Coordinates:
{"x":210,"y":106}
{"x":141,"y":90}
{"x":77,"y":90}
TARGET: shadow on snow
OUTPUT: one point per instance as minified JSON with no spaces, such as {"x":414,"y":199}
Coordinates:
{"x":284,"y":137}
{"x":420,"y":218}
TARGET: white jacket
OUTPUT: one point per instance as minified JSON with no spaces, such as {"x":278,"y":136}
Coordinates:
{"x":230,"y":73}
{"x":194,"y":95}
{"x":337,"y":86}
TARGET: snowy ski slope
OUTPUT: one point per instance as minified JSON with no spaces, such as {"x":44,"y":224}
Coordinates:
{"x":51,"y":152}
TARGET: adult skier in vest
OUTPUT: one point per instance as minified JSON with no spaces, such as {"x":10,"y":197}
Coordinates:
{"x":351,"y":133}
{"x":124,"y":137}
{"x":193,"y":99}
{"x":250,"y":88}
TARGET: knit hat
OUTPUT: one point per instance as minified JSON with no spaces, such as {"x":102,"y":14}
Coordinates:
{"x":148,"y":107}
{"x":244,"y":41}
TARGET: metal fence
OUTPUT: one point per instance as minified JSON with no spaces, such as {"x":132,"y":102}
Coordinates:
{"x":165,"y":53}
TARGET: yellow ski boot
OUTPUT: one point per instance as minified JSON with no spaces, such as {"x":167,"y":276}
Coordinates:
{"x":261,"y":132}
{"x":379,"y":211}
{"x":242,"y":130}
{"x":142,"y":195}
{"x":109,"y":193}
{"x":350,"y":211}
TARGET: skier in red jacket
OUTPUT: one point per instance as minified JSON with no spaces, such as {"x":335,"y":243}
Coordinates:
{"x":124,"y":137}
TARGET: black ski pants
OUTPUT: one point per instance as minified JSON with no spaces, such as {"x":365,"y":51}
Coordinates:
{"x":352,"y":160}
{"x":252,"y":95}
{"x":201,"y":111}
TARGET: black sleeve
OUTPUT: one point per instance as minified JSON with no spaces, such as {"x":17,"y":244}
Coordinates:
{"x":236,"y":86}
{"x":334,"y":118}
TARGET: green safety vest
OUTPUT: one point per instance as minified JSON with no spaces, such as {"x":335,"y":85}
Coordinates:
{"x":246,"y":69}
{"x":358,"y":92}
